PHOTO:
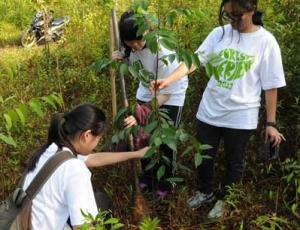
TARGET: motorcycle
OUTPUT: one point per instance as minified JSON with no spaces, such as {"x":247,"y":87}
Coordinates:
{"x":44,"y":28}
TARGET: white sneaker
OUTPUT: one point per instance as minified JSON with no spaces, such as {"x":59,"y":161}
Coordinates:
{"x":217,"y":211}
{"x":200,"y":198}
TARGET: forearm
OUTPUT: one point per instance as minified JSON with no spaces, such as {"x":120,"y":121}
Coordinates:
{"x":162,"y":98}
{"x":271,"y":104}
{"x":107,"y":158}
{"x":180,"y":72}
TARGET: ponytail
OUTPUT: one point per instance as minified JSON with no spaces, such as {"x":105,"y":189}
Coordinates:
{"x":257,"y":18}
{"x":57,"y":135}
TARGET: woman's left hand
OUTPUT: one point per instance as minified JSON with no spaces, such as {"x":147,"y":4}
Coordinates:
{"x":274,"y":136}
{"x":129,"y":121}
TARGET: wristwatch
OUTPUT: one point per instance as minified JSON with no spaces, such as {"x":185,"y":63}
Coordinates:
{"x":273,"y":124}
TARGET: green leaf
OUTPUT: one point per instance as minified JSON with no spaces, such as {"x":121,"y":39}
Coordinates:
{"x":57,"y":98}
{"x":165,"y":43}
{"x":214,"y":58}
{"x":50,"y":101}
{"x":175,"y":179}
{"x":154,"y":160}
{"x":123,"y":69}
{"x":161,"y":172}
{"x":142,"y":27}
{"x":170,"y":20}
{"x":187,"y":59}
{"x":122,"y":135}
{"x":205,"y":147}
{"x":170,"y":143}
{"x":99,"y":65}
{"x":150,"y":152}
{"x":187,"y":150}
{"x":149,"y":128}
{"x":8,"y":140}
{"x":21,"y":116}
{"x":133,"y":71}
{"x":171,"y":57}
{"x":182,"y":167}
{"x":157,"y":141}
{"x":8,"y":120}
{"x":195,"y":60}
{"x":154,"y":103}
{"x":115,"y":139}
{"x":294,"y":207}
{"x":35,"y":105}
{"x":111,"y":221}
{"x":183,"y":137}
{"x":117,"y":226}
{"x":198,"y":159}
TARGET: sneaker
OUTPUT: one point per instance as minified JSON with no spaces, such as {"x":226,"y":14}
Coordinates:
{"x":217,"y":211}
{"x":200,"y":198}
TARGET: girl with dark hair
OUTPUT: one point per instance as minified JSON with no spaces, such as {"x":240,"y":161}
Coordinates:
{"x":171,"y":99}
{"x":248,"y":61}
{"x":69,"y":190}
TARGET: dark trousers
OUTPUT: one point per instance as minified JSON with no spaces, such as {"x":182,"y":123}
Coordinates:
{"x":235,"y":142}
{"x":174,"y":112}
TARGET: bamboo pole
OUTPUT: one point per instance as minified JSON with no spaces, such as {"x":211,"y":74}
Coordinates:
{"x":112,"y":72}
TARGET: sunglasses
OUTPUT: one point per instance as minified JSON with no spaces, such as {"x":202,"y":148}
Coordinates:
{"x":235,"y":16}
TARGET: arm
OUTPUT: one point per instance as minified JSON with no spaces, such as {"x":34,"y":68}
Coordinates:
{"x":162,"y":99}
{"x":178,"y":73}
{"x":271,"y":103}
{"x":107,"y":158}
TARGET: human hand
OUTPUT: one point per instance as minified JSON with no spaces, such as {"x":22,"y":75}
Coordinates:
{"x":142,"y":152}
{"x":273,"y":136}
{"x":117,"y":55}
{"x":158,"y":85}
{"x":129,"y":121}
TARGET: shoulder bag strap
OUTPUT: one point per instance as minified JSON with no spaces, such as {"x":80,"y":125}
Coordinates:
{"x":46,"y":171}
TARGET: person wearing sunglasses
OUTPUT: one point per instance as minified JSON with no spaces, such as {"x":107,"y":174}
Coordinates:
{"x":246,"y":60}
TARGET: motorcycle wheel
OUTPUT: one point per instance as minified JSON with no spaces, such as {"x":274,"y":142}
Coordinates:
{"x":28,"y":38}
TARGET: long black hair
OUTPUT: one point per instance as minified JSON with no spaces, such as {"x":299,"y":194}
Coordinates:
{"x":247,"y":5}
{"x":128,"y":30}
{"x":65,"y":127}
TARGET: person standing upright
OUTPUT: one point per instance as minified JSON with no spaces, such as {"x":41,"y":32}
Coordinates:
{"x":241,"y":59}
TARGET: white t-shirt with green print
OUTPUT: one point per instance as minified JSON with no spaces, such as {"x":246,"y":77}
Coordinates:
{"x":239,"y":67}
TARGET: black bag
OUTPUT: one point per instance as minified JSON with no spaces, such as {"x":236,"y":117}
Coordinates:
{"x":8,"y":213}
{"x":104,"y":202}
{"x":15,"y":211}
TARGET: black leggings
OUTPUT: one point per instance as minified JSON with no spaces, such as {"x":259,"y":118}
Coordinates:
{"x":174,"y":112}
{"x":235,"y":142}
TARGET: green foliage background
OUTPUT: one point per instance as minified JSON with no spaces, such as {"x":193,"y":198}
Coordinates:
{"x":61,"y":68}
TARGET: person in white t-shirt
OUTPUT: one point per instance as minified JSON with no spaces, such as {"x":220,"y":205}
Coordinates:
{"x":171,"y":99}
{"x":241,"y":58}
{"x":69,"y":189}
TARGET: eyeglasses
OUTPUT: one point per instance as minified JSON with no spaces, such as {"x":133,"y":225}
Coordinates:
{"x":235,"y":16}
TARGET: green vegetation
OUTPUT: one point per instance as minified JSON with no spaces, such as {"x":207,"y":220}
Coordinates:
{"x":39,"y":81}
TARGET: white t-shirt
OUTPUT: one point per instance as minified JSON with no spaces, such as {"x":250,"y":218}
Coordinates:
{"x":150,"y":64}
{"x":239,"y":67}
{"x":66,"y":192}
